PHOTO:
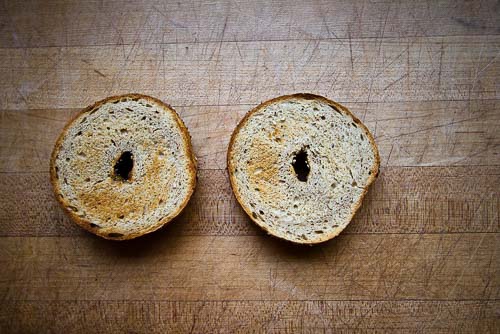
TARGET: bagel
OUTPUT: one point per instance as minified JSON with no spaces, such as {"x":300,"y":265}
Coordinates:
{"x":124,"y":166}
{"x":300,"y":165}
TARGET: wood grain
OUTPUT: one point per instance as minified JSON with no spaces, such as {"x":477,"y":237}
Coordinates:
{"x":437,"y":133}
{"x":166,"y":267}
{"x":402,"y":200}
{"x":420,"y":256}
{"x":260,"y":316}
{"x":31,"y":24}
{"x":227,"y":73}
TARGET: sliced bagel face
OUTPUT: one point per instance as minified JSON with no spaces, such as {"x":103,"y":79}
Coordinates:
{"x":124,"y":166}
{"x":300,"y":165}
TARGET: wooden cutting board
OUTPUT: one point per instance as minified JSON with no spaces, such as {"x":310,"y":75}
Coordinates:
{"x":423,"y":253}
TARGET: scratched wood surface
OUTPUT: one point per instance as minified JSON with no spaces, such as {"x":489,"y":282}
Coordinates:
{"x":422,"y":254}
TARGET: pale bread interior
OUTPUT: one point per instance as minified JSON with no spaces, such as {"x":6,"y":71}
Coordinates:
{"x":161,"y":179}
{"x":341,"y":156}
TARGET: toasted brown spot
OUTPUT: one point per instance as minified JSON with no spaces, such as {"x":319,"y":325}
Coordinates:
{"x":125,"y":203}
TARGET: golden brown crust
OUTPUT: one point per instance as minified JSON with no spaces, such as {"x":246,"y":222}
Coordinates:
{"x":85,"y":223}
{"x":334,"y":105}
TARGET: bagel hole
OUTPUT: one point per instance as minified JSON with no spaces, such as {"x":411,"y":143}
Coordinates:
{"x":301,"y":165}
{"x":123,"y":166}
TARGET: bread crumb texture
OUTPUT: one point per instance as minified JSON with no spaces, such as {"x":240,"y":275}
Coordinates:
{"x":300,"y":165}
{"x":124,"y":167}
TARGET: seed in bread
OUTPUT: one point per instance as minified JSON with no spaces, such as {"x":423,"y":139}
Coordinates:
{"x":124,"y":166}
{"x":300,"y":165}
